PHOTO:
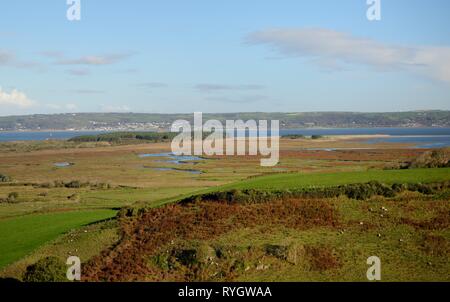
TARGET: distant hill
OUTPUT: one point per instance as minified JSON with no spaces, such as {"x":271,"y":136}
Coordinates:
{"x":144,"y":121}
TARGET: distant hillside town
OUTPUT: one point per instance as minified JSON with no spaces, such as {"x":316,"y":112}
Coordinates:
{"x":163,"y":122}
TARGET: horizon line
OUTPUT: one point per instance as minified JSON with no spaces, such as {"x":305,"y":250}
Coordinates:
{"x":231,"y":112}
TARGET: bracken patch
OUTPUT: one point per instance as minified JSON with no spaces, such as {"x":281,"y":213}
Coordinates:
{"x":322,"y":258}
{"x":440,"y":221}
{"x":435,"y":245}
{"x":153,"y":231}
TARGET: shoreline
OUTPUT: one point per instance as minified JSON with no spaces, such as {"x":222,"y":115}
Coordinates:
{"x":166,"y":130}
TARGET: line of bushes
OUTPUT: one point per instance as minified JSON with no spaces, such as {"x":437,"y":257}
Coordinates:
{"x":355,"y":191}
{"x":301,"y":136}
{"x":73,"y":184}
{"x":294,"y":136}
{"x":118,"y":137}
{"x":316,"y":136}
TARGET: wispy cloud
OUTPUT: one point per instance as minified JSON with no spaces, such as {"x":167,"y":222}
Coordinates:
{"x":15,"y":98}
{"x":222,"y":87}
{"x":95,"y":60}
{"x":333,"y":49}
{"x":9,"y":59}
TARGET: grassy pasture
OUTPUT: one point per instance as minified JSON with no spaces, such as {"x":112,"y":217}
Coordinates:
{"x":291,"y":181}
{"x":31,"y":201}
{"x":84,"y":242}
{"x":20,"y":236}
{"x":300,"y":181}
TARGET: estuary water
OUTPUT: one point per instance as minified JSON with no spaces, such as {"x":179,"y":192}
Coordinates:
{"x":420,"y":137}
{"x":42,"y":136}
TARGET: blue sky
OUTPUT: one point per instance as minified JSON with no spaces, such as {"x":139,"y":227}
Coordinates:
{"x":223,"y":56}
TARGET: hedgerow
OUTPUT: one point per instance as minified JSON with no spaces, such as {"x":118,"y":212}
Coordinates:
{"x":354,"y":191}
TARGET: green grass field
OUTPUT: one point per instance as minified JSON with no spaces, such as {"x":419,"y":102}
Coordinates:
{"x":300,"y":181}
{"x":20,"y":236}
{"x":294,"y":181}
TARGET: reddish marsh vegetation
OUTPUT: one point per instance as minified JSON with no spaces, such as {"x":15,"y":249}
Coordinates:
{"x":157,"y":229}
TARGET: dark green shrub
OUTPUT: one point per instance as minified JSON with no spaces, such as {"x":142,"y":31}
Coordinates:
{"x":119,"y":137}
{"x":187,"y":257}
{"x":377,"y":188}
{"x":316,"y":136}
{"x":75,"y":184}
{"x":398,"y":188}
{"x":278,"y":251}
{"x":432,"y":159}
{"x":12,"y":197}
{"x":49,"y":269}
{"x":46,"y":185}
{"x":293,"y":136}
{"x":359,"y":191}
{"x":4,"y":178}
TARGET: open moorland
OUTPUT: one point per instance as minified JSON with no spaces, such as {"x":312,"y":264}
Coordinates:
{"x":132,"y":211}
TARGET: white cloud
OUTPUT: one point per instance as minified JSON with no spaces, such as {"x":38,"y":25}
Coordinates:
{"x":333,"y":49}
{"x":95,"y":60}
{"x":15,"y":98}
